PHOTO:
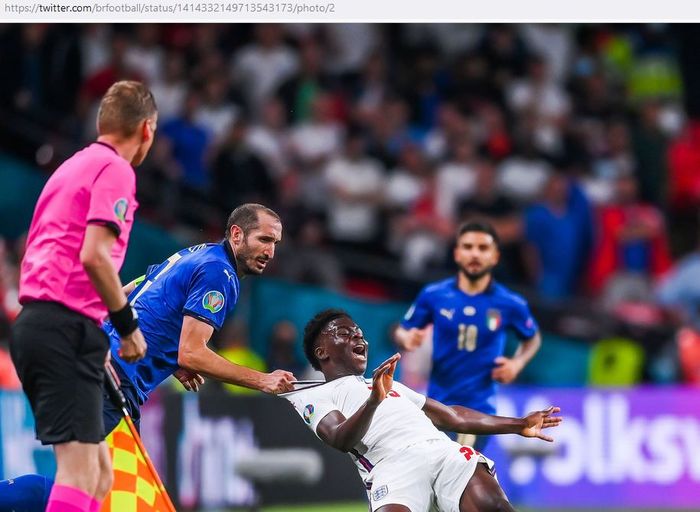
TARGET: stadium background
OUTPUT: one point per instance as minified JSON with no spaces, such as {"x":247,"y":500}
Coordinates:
{"x":580,"y":143}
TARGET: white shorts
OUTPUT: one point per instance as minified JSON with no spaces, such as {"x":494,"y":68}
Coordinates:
{"x":428,"y":476}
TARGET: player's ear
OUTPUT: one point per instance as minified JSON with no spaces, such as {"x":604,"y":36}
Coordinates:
{"x":320,"y":353}
{"x":146,"y":134}
{"x":237,"y":234}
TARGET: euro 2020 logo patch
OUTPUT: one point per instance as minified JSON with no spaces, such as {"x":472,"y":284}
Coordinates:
{"x":213,"y":301}
{"x":121,"y":205}
{"x":380,"y":493}
{"x":308,"y":413}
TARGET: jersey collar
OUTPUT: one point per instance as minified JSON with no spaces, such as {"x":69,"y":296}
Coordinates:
{"x":489,"y":288}
{"x":230,"y":254}
{"x":107,"y":146}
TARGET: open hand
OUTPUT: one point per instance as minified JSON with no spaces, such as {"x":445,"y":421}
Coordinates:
{"x":537,"y":421}
{"x":191,"y":381}
{"x":506,"y":370}
{"x":383,"y":379}
{"x":413,"y":339}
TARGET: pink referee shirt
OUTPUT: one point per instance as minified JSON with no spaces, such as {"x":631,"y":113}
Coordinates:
{"x":95,"y":185}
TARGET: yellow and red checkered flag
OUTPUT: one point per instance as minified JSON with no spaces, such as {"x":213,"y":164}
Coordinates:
{"x":137,"y":486}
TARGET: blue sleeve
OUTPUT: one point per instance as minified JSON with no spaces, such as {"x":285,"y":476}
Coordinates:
{"x":522,"y":321}
{"x":420,"y":313}
{"x":210,"y":295}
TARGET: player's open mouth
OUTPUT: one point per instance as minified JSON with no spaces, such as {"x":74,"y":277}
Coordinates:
{"x":360,"y":350}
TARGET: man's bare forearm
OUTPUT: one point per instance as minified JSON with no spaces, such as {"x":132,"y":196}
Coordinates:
{"x":208,"y":363}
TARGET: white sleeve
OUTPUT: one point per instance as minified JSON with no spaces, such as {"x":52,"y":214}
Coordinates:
{"x":416,"y":398}
{"x":311,"y":406}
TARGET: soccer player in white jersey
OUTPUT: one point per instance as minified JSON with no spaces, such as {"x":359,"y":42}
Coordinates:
{"x":390,"y":431}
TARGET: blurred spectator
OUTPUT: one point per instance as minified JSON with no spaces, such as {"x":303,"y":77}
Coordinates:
{"x":679,"y":290}
{"x":319,"y":138}
{"x":238,"y":175}
{"x":216,"y":113}
{"x":96,"y":84}
{"x":260,"y":67}
{"x":451,"y":129}
{"x":554,"y":42}
{"x":268,"y":138}
{"x":471,"y":83}
{"x":9,"y":279}
{"x":355,"y":186}
{"x":94,"y":47}
{"x":418,"y":233}
{"x":505,"y":52}
{"x":524,"y":175}
{"x":650,"y":145}
{"x":559,"y":230}
{"x":389,"y":132}
{"x":282,"y":350}
{"x":235,"y":348}
{"x":299,"y":92}
{"x":594,"y":97}
{"x":488,"y":203}
{"x":307,"y":259}
{"x":190,"y":142}
{"x":423,"y":88}
{"x":170,"y":86}
{"x":456,"y":179}
{"x":9,"y":308}
{"x":145,"y":56}
{"x":158,"y":184}
{"x":349,"y":45}
{"x":312,"y":144}
{"x":684,"y":187}
{"x":689,"y":355}
{"x":372,"y":89}
{"x":35,"y":58}
{"x":631,"y":241}
{"x":612,"y":158}
{"x":545,"y":100}
{"x":496,"y":137}
{"x":8,"y":375}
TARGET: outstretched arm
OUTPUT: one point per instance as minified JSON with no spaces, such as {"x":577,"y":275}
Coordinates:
{"x":508,"y":368}
{"x":409,"y":339}
{"x":194,"y":355}
{"x":343,"y":433}
{"x":468,"y":421}
{"x":130,"y":287}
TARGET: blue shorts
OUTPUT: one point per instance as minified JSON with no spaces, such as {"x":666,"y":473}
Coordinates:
{"x":112,"y":413}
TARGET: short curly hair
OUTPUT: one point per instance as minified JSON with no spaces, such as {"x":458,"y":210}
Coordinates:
{"x":313,"y":329}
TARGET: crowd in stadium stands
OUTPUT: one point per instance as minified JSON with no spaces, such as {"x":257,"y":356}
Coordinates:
{"x":374,"y":141}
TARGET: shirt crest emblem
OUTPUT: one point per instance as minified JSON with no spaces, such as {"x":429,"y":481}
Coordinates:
{"x":213,"y":301}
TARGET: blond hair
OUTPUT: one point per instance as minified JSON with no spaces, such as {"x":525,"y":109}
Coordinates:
{"x":124,"y":107}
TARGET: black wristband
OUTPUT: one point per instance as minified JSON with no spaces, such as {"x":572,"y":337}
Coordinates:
{"x":125,"y":321}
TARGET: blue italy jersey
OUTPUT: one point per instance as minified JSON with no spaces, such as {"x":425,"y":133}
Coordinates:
{"x":469,"y":333}
{"x":200,"y":281}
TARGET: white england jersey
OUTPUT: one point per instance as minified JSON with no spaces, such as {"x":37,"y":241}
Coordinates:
{"x":398,"y":422}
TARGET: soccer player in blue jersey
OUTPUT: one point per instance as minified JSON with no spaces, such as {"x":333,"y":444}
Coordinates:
{"x":181,"y":301}
{"x":470,"y":314}
{"x":179,"y":304}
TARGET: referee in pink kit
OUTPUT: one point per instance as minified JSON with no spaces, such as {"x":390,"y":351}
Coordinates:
{"x":68,"y":285}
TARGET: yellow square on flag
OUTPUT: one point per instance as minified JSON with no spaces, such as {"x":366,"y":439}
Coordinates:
{"x":137,"y":486}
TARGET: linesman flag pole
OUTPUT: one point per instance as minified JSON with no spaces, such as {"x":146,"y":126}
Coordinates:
{"x":137,"y":486}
